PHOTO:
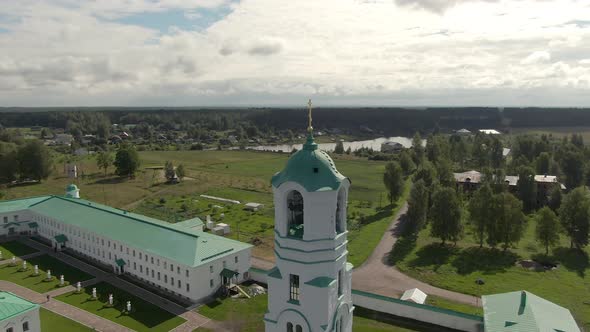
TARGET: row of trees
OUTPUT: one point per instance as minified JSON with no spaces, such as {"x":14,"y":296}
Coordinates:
{"x":30,"y":161}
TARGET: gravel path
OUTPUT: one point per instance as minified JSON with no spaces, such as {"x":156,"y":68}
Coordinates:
{"x":377,"y":276}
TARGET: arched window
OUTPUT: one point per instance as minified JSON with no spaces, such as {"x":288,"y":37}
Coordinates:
{"x":340,"y":212}
{"x":298,"y":328}
{"x":289,"y":327}
{"x":295,"y":214}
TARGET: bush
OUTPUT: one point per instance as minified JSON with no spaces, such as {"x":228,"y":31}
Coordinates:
{"x":162,"y":200}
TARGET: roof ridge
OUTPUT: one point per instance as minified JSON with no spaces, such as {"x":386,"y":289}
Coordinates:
{"x":124,"y":214}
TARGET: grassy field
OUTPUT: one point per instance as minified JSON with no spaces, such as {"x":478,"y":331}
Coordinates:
{"x":555,"y":132}
{"x":239,"y":314}
{"x":144,"y":316}
{"x":15,"y":248}
{"x":247,"y":315}
{"x":51,"y":322}
{"x":36,"y":283}
{"x":457,"y":269}
{"x":239,"y":175}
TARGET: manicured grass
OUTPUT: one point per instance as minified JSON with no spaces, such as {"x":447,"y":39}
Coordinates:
{"x":51,"y":322}
{"x":248,"y":314}
{"x":244,"y":314}
{"x":144,"y":316}
{"x":15,"y":248}
{"x":452,"y":305}
{"x":36,"y":283}
{"x":457,"y":269}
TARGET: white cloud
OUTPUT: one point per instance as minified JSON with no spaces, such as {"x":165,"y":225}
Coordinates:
{"x":537,"y":57}
{"x":273,"y":52}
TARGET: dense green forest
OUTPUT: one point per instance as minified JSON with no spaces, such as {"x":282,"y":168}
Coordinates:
{"x":387,"y":121}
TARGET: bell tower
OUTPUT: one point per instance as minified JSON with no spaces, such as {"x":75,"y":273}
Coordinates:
{"x":309,"y":288}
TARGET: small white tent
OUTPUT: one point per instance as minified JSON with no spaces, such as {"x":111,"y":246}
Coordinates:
{"x":414,"y":295}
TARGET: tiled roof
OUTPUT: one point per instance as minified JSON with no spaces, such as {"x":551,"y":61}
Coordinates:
{"x":12,"y":305}
{"x":523,"y":312}
{"x":177,"y":242}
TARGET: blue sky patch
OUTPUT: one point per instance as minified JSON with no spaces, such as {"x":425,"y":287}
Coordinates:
{"x":198,"y":19}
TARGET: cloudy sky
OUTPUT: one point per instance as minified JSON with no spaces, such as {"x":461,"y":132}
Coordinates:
{"x":281,"y":52}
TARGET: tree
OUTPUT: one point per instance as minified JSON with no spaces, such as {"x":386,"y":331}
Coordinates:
{"x":444,"y":171}
{"x":574,"y":216}
{"x":339,"y":149}
{"x":180,"y":172}
{"x":527,"y":187}
{"x":169,"y":170}
{"x":572,"y":165}
{"x":543,"y":163}
{"x":547,"y":230}
{"x":417,"y":149}
{"x":555,"y":197}
{"x":406,"y":163}
{"x":446,"y":215}
{"x":510,"y":219}
{"x":481,"y":212}
{"x":34,"y":161}
{"x":418,"y":206}
{"x":104,"y":160}
{"x":393,"y":179}
{"x":496,"y":153}
{"x":427,"y":173}
{"x":126,"y":161}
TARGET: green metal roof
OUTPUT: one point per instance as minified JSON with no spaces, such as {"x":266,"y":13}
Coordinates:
{"x":275,"y":273}
{"x":188,"y":224}
{"x":187,"y":246}
{"x":20,"y":204}
{"x":33,"y":224}
{"x":228,"y":273}
{"x":321,"y":282}
{"x":311,"y":168}
{"x":61,"y":238}
{"x":12,"y":305}
{"x":71,"y":187}
{"x":523,"y":311}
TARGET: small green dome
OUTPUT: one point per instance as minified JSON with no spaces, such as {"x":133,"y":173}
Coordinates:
{"x":71,"y":187}
{"x":311,"y":168}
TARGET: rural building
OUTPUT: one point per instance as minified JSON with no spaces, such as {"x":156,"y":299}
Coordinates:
{"x":63,"y":139}
{"x":463,"y":132}
{"x":18,"y":314}
{"x":310,"y":286}
{"x":524,"y":311}
{"x":391,"y":147}
{"x":469,"y":181}
{"x":489,"y":131}
{"x":414,"y":295}
{"x":178,"y":258}
{"x":253,"y":206}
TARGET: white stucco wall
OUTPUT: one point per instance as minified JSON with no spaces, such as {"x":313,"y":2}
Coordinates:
{"x":419,"y":312}
{"x":156,"y":270}
{"x":16,"y":322}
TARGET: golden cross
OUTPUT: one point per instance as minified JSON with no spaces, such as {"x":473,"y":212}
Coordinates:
{"x":309,"y":128}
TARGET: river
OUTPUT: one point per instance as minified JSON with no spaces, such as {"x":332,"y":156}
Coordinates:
{"x":374,"y":144}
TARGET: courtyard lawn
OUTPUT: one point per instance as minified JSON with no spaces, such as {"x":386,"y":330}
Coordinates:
{"x":456,"y":306}
{"x":15,"y":248}
{"x":144,"y":316}
{"x":457,"y":268}
{"x":241,"y":314}
{"x":36,"y":283}
{"x":247,"y":315}
{"x":51,"y":322}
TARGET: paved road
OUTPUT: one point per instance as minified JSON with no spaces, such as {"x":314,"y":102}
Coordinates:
{"x":377,"y":276}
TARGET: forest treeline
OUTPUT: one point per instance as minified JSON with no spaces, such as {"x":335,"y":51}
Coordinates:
{"x":388,"y":121}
